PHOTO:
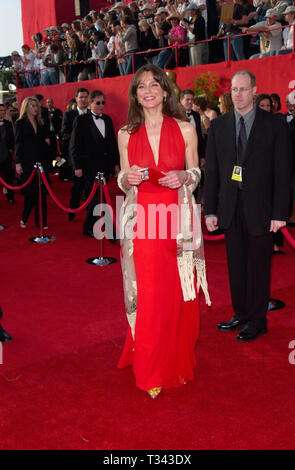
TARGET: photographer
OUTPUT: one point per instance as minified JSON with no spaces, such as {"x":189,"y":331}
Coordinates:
{"x":161,"y":28}
{"x":147,"y":41}
{"x":196,"y":31}
{"x":147,"y":11}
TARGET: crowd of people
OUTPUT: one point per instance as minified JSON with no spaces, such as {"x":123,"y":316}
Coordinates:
{"x":119,"y":39}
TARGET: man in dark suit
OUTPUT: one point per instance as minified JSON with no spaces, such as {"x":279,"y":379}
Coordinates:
{"x":6,"y":151}
{"x":66,"y":132}
{"x":55,"y":121}
{"x":94,"y":149}
{"x":247,"y":190}
{"x":187,"y":101}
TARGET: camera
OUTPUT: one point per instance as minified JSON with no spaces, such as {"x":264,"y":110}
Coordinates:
{"x":150,"y":20}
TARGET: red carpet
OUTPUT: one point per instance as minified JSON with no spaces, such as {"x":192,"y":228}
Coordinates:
{"x":60,"y":388}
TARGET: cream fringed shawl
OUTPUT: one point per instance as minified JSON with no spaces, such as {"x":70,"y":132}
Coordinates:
{"x":190,"y":248}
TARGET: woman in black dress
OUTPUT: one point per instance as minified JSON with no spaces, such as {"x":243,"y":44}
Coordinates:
{"x":31,"y":146}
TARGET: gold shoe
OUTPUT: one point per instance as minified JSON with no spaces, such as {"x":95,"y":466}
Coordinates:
{"x":154,"y":392}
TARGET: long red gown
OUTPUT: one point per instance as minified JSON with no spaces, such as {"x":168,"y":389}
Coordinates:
{"x":167,"y":328}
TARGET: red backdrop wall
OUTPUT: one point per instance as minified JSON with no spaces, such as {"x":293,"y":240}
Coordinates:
{"x":273,"y":74}
{"x":40,"y":14}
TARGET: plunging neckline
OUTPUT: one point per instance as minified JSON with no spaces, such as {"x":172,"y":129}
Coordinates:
{"x":159,"y":148}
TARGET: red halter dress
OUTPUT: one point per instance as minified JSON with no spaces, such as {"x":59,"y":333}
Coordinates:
{"x":167,"y":328}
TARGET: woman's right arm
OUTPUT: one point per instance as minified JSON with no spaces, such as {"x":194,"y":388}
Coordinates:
{"x":131,"y":177}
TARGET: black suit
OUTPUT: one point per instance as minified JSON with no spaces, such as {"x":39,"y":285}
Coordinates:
{"x":30,"y":147}
{"x":7,"y":147}
{"x":245,"y":213}
{"x":93,"y":153}
{"x":201,"y":146}
{"x":55,"y":122}
{"x":66,"y":132}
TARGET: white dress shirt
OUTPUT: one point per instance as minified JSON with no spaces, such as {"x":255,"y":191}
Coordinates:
{"x":100,"y":124}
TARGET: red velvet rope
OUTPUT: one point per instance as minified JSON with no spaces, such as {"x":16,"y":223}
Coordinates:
{"x":288,"y":237}
{"x":61,"y":206}
{"x":17,"y":188}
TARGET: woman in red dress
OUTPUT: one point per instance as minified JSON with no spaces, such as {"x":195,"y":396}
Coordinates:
{"x":162,"y":238}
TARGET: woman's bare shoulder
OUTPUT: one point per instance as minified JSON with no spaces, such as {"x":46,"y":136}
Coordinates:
{"x":123,"y":134}
{"x":186,"y":127}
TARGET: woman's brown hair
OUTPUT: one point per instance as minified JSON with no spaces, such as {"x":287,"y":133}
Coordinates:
{"x":226,"y":102}
{"x":171,"y":106}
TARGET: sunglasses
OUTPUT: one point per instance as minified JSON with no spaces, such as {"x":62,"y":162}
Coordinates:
{"x":100,"y":102}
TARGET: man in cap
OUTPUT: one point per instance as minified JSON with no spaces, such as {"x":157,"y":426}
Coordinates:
{"x":161,"y":28}
{"x":196,"y":31}
{"x":147,"y":11}
{"x":288,"y":32}
{"x":118,"y":7}
{"x":270,"y":38}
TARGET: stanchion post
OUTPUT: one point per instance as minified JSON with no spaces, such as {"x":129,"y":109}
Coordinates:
{"x":40,"y":200}
{"x":101,"y":260}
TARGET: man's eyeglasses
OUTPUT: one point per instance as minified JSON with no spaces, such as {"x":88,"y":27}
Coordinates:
{"x":241,"y":90}
{"x":100,"y":102}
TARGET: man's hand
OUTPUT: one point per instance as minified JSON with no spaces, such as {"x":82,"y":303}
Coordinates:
{"x":275,"y":225}
{"x":211,"y":223}
{"x":79,"y":173}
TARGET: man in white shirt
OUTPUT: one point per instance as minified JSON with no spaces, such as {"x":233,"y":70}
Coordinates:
{"x":288,"y":32}
{"x":94,"y":148}
{"x":270,"y":38}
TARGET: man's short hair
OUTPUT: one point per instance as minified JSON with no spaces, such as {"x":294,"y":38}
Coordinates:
{"x":250,"y":75}
{"x":81,"y":90}
{"x":94,"y":94}
{"x":186,"y":92}
{"x":39,"y":97}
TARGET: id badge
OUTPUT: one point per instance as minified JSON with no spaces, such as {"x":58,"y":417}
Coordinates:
{"x":237,"y":174}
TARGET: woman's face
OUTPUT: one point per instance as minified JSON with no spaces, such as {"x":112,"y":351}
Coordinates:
{"x":265,"y":104}
{"x":32,"y":109}
{"x":149,"y":92}
{"x":174,"y":22}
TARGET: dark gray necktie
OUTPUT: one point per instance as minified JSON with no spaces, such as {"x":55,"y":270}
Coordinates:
{"x":242,"y":142}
